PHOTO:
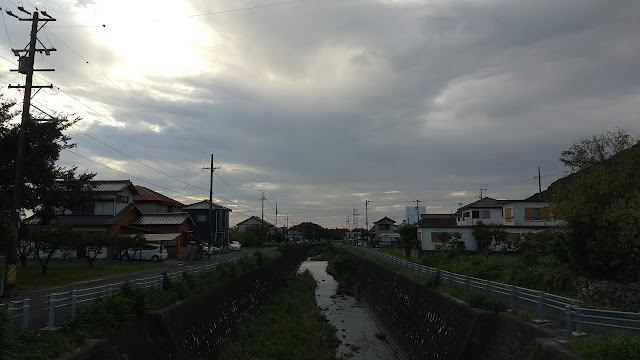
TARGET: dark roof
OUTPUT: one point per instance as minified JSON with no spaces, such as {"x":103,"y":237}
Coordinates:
{"x":204,"y":205}
{"x":484,"y":203}
{"x":162,"y":219}
{"x":94,"y":220}
{"x":384,"y":219}
{"x":437,"y":220}
{"x":256,"y":218}
{"x":112,"y":186}
{"x":147,"y":194}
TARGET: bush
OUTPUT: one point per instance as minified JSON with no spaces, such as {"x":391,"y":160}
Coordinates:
{"x":476,"y":298}
{"x":433,"y":280}
{"x":621,"y":347}
{"x":343,"y":269}
{"x":553,"y":280}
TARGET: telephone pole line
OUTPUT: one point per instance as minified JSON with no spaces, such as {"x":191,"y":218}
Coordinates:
{"x":262,"y":219}
{"x":25,"y":66}
{"x":539,"y":184}
{"x":366,"y":218}
{"x":417,"y":210}
{"x":210,"y":218}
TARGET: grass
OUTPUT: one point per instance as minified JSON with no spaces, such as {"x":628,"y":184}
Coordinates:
{"x":290,"y":327}
{"x":474,"y":298}
{"x":381,"y":335}
{"x":61,"y":272}
{"x":621,"y":347}
{"x":107,"y":317}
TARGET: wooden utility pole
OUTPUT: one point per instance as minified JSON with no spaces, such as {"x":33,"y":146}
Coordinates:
{"x":366,"y":218}
{"x":262,"y":219}
{"x":25,"y":66}
{"x":210,"y":217}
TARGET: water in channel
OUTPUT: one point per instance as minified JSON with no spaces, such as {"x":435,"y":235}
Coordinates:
{"x":356,"y":329}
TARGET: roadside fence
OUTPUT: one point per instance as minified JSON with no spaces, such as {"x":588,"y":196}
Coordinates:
{"x":69,"y":301}
{"x":547,"y":305}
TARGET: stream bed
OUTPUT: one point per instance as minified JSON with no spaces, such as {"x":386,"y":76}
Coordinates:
{"x":356,"y":329}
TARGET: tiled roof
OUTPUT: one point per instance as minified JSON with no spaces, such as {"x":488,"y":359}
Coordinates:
{"x":147,"y":194}
{"x":384,"y":219}
{"x":162,"y":219}
{"x":112,"y":185}
{"x":484,"y":203}
{"x":204,"y":205}
{"x":437,"y":220}
{"x":255,"y":218}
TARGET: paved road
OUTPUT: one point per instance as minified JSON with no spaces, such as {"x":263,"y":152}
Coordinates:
{"x":39,"y":316}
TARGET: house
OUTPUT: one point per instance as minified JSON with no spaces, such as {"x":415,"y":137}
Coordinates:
{"x":384,"y":226}
{"x":254,"y":221}
{"x":150,"y":201}
{"x":170,"y":229}
{"x":516,"y":217}
{"x":201,"y":228}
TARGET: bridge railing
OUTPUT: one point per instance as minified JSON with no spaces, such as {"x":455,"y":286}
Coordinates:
{"x":575,"y":315}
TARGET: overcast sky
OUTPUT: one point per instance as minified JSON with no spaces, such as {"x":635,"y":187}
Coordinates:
{"x":324,"y":104}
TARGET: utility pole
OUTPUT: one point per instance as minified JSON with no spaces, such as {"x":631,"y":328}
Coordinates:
{"x":417,"y":210}
{"x":262,"y":219}
{"x":210,"y":217}
{"x":287,"y":229}
{"x":366,"y":217}
{"x":276,"y":218}
{"x":539,"y":184}
{"x":25,"y":66}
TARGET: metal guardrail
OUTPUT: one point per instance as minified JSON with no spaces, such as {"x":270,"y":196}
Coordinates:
{"x":574,"y":313}
{"x":74,"y":298}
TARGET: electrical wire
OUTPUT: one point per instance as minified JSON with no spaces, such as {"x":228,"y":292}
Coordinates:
{"x":6,"y":29}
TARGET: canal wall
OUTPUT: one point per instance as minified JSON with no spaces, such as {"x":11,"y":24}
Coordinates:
{"x":193,"y":328}
{"x":423,"y":323}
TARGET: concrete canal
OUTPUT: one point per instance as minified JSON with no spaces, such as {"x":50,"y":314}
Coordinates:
{"x":356,"y":329}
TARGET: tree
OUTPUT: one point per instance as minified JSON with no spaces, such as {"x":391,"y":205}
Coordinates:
{"x":592,"y":150}
{"x":408,"y":238}
{"x":601,"y":208}
{"x":47,"y":186}
{"x":95,"y":243}
{"x":484,"y":237}
{"x":451,"y":242}
{"x":47,"y":239}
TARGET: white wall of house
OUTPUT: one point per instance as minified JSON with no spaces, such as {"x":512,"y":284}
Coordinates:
{"x":518,"y":214}
{"x":486,"y":215}
{"x":425,"y":235}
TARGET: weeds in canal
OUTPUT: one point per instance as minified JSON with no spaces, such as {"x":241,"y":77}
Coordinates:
{"x":380,"y":335}
{"x":343,"y":269}
{"x":289,"y":327}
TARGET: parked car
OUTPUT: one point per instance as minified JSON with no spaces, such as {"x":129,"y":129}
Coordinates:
{"x":206,"y":250}
{"x":153,"y":252}
{"x":234,"y":245}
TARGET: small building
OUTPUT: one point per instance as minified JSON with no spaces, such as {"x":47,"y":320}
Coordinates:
{"x":170,"y":229}
{"x":384,"y":226}
{"x":201,"y":228}
{"x":254,"y":221}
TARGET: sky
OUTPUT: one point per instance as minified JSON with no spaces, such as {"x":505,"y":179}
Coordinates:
{"x":321,"y":105}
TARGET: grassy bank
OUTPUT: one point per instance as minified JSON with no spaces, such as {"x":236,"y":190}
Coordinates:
{"x":290,"y":327}
{"x":109,"y":316}
{"x":61,"y":272}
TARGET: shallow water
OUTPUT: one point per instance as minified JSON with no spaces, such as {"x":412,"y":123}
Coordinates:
{"x":355,"y":327}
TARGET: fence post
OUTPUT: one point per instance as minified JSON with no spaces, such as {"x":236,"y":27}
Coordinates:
{"x":161,"y":282}
{"x":109,"y":291}
{"x":578,"y":320}
{"x":567,"y":311}
{"x":52,"y":310}
{"x":512,"y":297}
{"x":450,"y":279}
{"x":466,"y":282}
{"x":25,"y":314}
{"x":540,"y":307}
{"x":74,"y":303}
{"x":10,"y":313}
{"x":486,"y":287}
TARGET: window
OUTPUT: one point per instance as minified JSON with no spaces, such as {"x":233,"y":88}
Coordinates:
{"x":536,"y":213}
{"x":435,"y":237}
{"x":507,"y":215}
{"x":103,"y":207}
{"x":201,"y":218}
{"x":475,"y":214}
{"x":384,"y":226}
{"x":533,"y":214}
{"x":122,"y":199}
{"x":486,"y":214}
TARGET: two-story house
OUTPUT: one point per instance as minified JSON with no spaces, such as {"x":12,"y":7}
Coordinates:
{"x":516,"y":217}
{"x":385,"y":232}
{"x":150,"y":201}
{"x":254,"y":221}
{"x":201,"y":228}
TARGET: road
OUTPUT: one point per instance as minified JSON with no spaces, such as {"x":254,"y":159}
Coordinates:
{"x":38,"y":316}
